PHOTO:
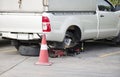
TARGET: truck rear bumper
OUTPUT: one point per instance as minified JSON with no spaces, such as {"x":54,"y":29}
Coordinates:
{"x":21,"y":36}
{"x":33,"y":36}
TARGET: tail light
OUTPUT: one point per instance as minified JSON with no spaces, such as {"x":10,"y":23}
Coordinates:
{"x":46,"y":24}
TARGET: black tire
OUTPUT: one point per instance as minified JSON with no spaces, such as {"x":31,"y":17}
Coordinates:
{"x":29,"y":50}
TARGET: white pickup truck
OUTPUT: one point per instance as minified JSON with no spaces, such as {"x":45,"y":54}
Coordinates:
{"x":65,"y":22}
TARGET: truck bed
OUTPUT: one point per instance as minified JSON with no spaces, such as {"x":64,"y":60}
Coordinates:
{"x":25,"y":15}
{"x":46,"y":5}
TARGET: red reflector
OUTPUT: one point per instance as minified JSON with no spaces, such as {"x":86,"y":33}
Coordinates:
{"x":46,"y":24}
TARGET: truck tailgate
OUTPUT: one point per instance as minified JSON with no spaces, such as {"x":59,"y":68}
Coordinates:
{"x":18,"y":22}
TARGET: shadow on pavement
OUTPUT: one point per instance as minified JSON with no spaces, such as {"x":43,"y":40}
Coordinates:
{"x":99,"y":45}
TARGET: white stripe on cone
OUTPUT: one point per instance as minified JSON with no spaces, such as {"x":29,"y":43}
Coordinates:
{"x":44,"y":47}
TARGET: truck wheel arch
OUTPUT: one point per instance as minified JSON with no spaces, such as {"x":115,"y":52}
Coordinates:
{"x":76,"y":31}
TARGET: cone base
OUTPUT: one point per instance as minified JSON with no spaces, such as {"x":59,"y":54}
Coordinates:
{"x":44,"y":64}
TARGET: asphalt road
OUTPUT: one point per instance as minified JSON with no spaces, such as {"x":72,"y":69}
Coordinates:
{"x":98,"y":60}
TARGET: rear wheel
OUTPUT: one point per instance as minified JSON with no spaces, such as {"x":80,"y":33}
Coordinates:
{"x":27,"y":48}
{"x":32,"y":50}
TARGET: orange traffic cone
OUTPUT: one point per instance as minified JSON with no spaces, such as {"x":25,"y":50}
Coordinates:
{"x":43,"y":56}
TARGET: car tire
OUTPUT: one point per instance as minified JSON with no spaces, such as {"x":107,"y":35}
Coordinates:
{"x":29,"y":50}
